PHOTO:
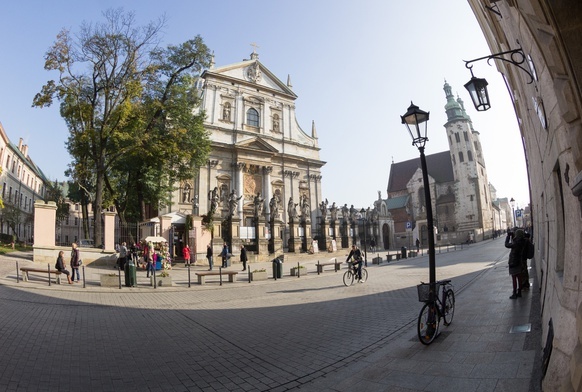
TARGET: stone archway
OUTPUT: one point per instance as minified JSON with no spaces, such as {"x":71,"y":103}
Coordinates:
{"x":386,"y":236}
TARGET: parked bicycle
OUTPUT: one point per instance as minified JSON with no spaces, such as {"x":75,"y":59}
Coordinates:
{"x":439,"y":302}
{"x":352,"y":274}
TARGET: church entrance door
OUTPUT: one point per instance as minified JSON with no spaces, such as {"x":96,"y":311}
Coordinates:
{"x":386,"y":236}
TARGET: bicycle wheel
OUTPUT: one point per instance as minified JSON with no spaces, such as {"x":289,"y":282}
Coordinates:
{"x":428,"y":325}
{"x":348,"y":278}
{"x":364,"y":275}
{"x":449,"y":306}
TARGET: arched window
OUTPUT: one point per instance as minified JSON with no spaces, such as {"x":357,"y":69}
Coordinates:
{"x":252,"y":117}
{"x":461,"y":158}
{"x":469,"y":155}
{"x":421,"y":198}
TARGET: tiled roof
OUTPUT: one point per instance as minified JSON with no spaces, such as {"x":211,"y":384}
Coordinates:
{"x":439,"y":167}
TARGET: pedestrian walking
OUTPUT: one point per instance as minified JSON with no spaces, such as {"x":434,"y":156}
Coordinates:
{"x":186,"y":255}
{"x":149,"y":259}
{"x":224,"y":254}
{"x":75,"y":262}
{"x":122,"y":255}
{"x":243,"y":257}
{"x":209,"y":256}
{"x":417,"y":245}
{"x":515,"y":242}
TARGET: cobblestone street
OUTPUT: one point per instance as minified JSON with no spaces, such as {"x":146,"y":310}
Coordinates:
{"x":274,"y":335}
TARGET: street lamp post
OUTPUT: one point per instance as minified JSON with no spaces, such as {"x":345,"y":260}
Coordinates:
{"x":364,"y":223}
{"x":416,"y":123}
{"x":512,"y":203}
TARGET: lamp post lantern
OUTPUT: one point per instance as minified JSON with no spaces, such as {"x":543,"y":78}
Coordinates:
{"x":512,"y":203}
{"x":364,"y":224}
{"x":416,"y":123}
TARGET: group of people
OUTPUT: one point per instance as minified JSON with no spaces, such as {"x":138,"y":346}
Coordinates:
{"x":521,"y":249}
{"x":75,"y":263}
{"x":225,"y":256}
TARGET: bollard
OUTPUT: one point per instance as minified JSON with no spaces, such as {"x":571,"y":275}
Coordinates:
{"x":249,"y":273}
{"x":188,"y":275}
{"x":49,"y":273}
{"x":155,"y":283}
{"x":298,"y":270}
{"x":318,"y":267}
{"x":119,"y":276}
{"x":83,"y":267}
{"x":17,"y":273}
{"x":220,"y":272}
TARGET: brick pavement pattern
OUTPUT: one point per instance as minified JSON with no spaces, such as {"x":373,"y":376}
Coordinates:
{"x":306,"y":334}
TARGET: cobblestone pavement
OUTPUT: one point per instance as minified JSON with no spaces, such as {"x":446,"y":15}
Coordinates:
{"x":307,"y":334}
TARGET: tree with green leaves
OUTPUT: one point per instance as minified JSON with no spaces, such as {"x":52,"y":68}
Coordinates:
{"x":54,"y":192}
{"x":129,"y":107}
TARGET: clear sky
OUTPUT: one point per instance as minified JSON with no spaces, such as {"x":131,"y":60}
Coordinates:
{"x":354,"y":65}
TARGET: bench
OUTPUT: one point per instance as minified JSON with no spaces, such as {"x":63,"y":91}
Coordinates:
{"x":203,"y":274}
{"x":27,"y":270}
{"x":336,"y":266}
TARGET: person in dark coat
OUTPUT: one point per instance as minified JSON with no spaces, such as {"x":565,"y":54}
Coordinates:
{"x":225,"y":255}
{"x":209,"y":256}
{"x":75,"y":264}
{"x":356,"y":253}
{"x":60,"y":266}
{"x":515,"y":242}
{"x":243,"y":257}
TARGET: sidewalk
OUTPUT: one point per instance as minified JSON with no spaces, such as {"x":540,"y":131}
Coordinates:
{"x":482,"y":350}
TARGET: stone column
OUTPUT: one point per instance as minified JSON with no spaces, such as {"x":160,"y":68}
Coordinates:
{"x":165,"y":225}
{"x":109,"y":231}
{"x":323,"y":234}
{"x":275,"y":242}
{"x":294,"y":243}
{"x":239,"y":190}
{"x":262,"y":241}
{"x":235,"y":241}
{"x":45,"y":216}
{"x":268,"y":190}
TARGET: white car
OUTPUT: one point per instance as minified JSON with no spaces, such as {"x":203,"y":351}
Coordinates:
{"x":86,"y":243}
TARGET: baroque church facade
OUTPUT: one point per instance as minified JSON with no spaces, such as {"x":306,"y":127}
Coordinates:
{"x":263,"y":167}
{"x":460,"y":191}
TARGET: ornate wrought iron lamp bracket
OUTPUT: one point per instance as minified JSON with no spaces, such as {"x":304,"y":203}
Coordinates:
{"x":516,"y":57}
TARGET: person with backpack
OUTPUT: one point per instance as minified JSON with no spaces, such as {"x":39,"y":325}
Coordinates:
{"x":516,"y":242}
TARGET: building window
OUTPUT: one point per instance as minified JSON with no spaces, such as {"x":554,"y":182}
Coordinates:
{"x":76,"y":221}
{"x":76,"y":206}
{"x":8,"y":162}
{"x":461,"y":159}
{"x":252,"y":118}
{"x":466,"y":136}
{"x":450,"y":140}
{"x":457,"y":137}
{"x":454,"y":160}
{"x":4,"y":191}
{"x":469,"y":155}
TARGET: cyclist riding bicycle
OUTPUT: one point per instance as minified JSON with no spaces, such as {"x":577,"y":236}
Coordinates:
{"x":357,"y":255}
